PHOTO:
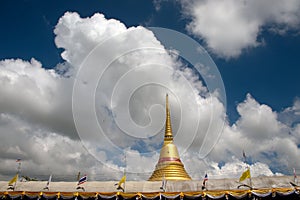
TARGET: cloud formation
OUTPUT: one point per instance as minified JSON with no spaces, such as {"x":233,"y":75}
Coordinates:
{"x":263,"y":137}
{"x":37,"y":123}
{"x":230,"y":27}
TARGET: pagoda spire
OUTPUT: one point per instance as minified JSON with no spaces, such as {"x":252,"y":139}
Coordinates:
{"x":168,"y":127}
{"x":169,"y":166}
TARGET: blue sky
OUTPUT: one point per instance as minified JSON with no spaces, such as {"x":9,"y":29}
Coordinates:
{"x":269,"y":72}
{"x":255,"y":45}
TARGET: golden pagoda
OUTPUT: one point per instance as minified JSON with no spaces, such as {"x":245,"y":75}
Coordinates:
{"x":169,"y":166}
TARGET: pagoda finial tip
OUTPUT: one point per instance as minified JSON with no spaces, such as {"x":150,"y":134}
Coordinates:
{"x":168,"y":128}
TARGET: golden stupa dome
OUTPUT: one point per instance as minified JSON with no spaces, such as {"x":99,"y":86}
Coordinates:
{"x":169,"y":166}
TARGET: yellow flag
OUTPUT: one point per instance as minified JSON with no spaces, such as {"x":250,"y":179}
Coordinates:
{"x":13,"y":180}
{"x":123,"y":179}
{"x":245,"y":175}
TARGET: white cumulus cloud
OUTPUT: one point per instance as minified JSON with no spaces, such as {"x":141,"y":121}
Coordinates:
{"x":37,"y":123}
{"x":230,"y":27}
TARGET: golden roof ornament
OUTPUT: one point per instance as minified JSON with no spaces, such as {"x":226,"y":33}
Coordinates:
{"x":169,"y":166}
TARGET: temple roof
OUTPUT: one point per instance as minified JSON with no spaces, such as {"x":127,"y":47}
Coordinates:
{"x":153,"y":186}
{"x":263,"y":186}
